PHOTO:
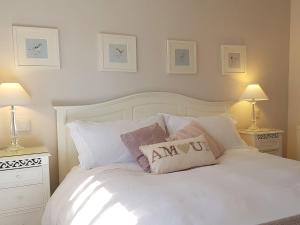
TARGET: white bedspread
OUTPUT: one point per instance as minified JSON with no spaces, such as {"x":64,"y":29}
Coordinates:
{"x":246,"y":187}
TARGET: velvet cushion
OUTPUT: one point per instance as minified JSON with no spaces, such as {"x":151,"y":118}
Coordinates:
{"x":144,"y":136}
{"x":193,"y":129}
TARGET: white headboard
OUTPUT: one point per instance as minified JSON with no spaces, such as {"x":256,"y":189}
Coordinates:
{"x":131,"y":107}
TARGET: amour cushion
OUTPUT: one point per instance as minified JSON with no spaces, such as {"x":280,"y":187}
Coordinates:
{"x":100,"y":144}
{"x":178,"y":155}
{"x":220,"y":127}
{"x":143,"y":136}
{"x":193,"y":129}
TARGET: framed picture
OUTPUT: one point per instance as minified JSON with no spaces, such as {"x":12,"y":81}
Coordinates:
{"x":234,"y":59}
{"x":117,"y":53}
{"x":36,"y":47}
{"x":181,"y":57}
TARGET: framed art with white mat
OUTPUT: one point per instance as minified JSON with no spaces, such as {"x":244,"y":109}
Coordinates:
{"x":117,"y":53}
{"x":36,"y":47}
{"x":234,"y":59}
{"x":181,"y":57}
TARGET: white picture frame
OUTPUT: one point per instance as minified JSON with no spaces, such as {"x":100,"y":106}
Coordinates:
{"x":234,"y":59}
{"x":117,"y":53}
{"x":181,"y":57}
{"x":36,"y":47}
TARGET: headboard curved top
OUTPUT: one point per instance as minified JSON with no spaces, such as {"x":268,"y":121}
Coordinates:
{"x":132,"y":107}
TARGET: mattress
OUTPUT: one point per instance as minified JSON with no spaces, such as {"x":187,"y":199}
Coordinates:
{"x":246,"y":187}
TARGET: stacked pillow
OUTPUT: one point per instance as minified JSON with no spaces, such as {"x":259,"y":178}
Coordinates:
{"x":100,"y":144}
{"x":220,"y":127}
{"x":192,"y":142}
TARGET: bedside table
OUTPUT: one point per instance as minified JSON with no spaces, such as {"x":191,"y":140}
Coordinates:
{"x":265,"y":140}
{"x":24,"y":185}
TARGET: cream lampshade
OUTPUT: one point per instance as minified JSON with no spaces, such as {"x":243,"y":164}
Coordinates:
{"x":254,"y":93}
{"x":13,"y":94}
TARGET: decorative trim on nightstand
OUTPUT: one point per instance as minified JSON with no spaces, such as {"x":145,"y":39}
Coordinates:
{"x":268,"y":135}
{"x":20,"y":163}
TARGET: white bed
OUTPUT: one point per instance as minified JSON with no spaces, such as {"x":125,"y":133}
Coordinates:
{"x":246,"y":187}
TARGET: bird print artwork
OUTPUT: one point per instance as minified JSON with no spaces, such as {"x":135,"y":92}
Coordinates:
{"x":182,"y":57}
{"x":37,"y":48}
{"x":118,"y":53}
{"x":234,"y":60}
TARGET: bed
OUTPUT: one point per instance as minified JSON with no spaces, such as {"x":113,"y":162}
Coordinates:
{"x":245,"y":187}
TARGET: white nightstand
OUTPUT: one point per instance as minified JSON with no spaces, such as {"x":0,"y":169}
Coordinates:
{"x":265,"y":140}
{"x":24,"y":185}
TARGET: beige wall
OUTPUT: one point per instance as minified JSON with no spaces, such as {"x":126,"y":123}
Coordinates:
{"x":294,"y":81}
{"x":262,"y":25}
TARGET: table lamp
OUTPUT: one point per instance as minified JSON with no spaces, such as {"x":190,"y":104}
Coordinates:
{"x":254,"y":93}
{"x":13,"y":94}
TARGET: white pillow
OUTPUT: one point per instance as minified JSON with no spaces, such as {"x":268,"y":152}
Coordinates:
{"x":99,"y":144}
{"x":220,"y":127}
{"x":178,"y":155}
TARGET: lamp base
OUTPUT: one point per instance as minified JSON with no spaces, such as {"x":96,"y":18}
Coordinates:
{"x":253,"y":127}
{"x":254,"y":130}
{"x":13,"y":147}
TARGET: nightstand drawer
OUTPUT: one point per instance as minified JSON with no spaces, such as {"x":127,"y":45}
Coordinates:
{"x":21,"y":177}
{"x":30,"y":218}
{"x":21,"y":197}
{"x":265,"y":140}
{"x":268,"y":141}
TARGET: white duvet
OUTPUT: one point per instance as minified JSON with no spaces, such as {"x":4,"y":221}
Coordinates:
{"x":246,"y":187}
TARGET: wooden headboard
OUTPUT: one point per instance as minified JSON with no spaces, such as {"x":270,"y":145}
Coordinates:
{"x":131,"y":107}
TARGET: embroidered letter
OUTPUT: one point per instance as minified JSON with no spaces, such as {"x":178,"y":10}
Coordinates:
{"x":155,"y":155}
{"x":169,"y":152}
{"x":198,"y":147}
{"x":206,"y":146}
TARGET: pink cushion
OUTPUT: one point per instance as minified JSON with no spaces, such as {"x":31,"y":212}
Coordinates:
{"x":193,"y":129}
{"x":144,"y":136}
